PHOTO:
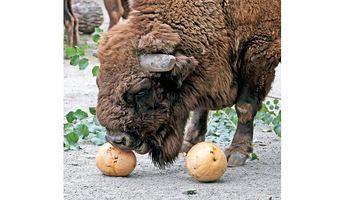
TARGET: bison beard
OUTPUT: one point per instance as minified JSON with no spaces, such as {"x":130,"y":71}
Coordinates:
{"x":164,"y":149}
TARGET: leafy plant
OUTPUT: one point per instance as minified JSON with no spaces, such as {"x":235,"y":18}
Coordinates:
{"x":253,"y":156}
{"x":96,"y":35}
{"x":76,"y":55}
{"x":222,"y":125}
{"x":80,"y":125}
{"x":95,"y":70}
{"x":270,"y":114}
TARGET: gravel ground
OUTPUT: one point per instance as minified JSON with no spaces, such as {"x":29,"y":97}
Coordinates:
{"x":259,"y":179}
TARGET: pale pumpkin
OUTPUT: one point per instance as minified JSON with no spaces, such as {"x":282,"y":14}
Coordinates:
{"x":113,"y":161}
{"x":206,"y":162}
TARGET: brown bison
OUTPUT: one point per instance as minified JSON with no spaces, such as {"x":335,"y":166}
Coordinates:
{"x":171,"y":57}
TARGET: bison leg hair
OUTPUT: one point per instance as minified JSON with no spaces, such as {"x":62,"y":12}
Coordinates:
{"x":196,"y":130}
{"x":258,"y":72}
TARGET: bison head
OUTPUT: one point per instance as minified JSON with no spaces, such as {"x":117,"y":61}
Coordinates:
{"x":140,"y":77}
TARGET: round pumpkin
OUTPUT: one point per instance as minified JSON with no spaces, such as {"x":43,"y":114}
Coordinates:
{"x":206,"y":162}
{"x":113,"y":161}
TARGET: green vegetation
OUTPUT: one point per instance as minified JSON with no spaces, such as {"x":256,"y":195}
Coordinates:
{"x":81,"y":125}
{"x":222,"y":123}
{"x":76,"y":55}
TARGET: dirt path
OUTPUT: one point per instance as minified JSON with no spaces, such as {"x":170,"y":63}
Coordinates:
{"x":258,"y":179}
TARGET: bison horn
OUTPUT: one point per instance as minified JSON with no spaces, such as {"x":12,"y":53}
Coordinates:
{"x":157,"y":62}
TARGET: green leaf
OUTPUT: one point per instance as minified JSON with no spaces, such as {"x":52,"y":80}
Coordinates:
{"x":276,"y":101}
{"x":97,"y":34}
{"x":70,"y":117}
{"x":253,"y":156}
{"x":95,"y":70}
{"x":277,"y":130}
{"x":264,"y":108}
{"x":268,"y":119}
{"x":92,"y":110}
{"x":82,"y":130}
{"x":190,"y":192}
{"x":66,"y":145}
{"x":267,"y":102}
{"x":74,"y":60}
{"x":95,"y":38}
{"x":68,"y":127}
{"x":70,"y":141}
{"x":80,"y":51}
{"x":79,"y":114}
{"x":70,"y":52}
{"x":277,"y":107}
{"x":97,"y":29}
{"x":83,"y":63}
{"x":271,"y":107}
{"x":72,"y":138}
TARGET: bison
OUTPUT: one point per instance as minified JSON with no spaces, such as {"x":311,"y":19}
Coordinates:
{"x":171,"y":57}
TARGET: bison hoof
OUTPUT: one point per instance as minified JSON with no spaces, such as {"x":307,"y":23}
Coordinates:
{"x":235,"y":158}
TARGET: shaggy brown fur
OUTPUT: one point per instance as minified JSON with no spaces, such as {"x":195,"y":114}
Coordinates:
{"x":71,"y":24}
{"x":226,"y":52}
{"x":116,"y":9}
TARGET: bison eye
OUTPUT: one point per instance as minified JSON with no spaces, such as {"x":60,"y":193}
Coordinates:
{"x":137,"y":97}
{"x":141,"y":93}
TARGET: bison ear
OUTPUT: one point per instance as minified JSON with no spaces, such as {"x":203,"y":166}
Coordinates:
{"x":161,"y":38}
{"x":184,"y":66}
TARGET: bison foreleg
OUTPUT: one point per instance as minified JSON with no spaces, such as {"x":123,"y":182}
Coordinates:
{"x":257,"y":74}
{"x":241,"y":144}
{"x":196,"y":130}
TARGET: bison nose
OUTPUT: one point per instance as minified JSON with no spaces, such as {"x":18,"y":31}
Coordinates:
{"x":118,"y":140}
{"x":123,"y":141}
